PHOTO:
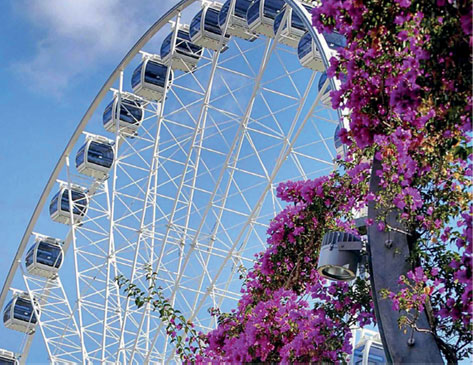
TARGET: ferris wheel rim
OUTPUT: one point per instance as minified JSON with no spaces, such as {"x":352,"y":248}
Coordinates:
{"x":156,"y":27}
{"x":162,"y":21}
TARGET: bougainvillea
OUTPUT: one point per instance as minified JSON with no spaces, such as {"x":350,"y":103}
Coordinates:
{"x":406,"y":85}
{"x":407,"y":82}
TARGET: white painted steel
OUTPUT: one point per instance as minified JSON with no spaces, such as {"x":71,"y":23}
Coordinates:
{"x":191,"y":192}
{"x":290,"y":35}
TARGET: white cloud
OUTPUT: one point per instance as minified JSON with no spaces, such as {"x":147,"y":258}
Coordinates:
{"x":80,"y":35}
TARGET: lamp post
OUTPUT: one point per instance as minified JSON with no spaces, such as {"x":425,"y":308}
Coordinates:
{"x":388,"y":252}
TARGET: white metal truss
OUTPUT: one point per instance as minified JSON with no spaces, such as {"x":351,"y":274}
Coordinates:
{"x":191,"y":195}
{"x":55,"y":319}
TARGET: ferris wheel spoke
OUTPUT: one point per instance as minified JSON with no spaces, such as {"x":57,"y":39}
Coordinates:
{"x":257,"y":206}
{"x":55,"y":318}
{"x":73,"y":227}
{"x":266,"y":175}
{"x":196,"y":132}
{"x":97,"y":279}
{"x":269,"y":48}
{"x":147,"y":204}
{"x":244,"y":57}
{"x":235,"y":145}
{"x":61,"y":313}
{"x":151,"y":205}
{"x":289,"y":74}
{"x":209,"y":253}
{"x":241,"y":134}
{"x":110,"y":315}
{"x":186,"y":108}
{"x":324,"y":141}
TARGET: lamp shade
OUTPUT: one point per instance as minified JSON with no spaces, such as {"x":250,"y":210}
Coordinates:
{"x":339,"y":256}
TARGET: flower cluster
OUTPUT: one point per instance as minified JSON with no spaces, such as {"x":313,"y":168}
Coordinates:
{"x":406,"y":81}
{"x":287,"y":312}
{"x":286,"y":327}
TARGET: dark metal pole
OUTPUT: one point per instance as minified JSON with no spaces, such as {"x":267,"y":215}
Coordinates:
{"x":387,"y":254}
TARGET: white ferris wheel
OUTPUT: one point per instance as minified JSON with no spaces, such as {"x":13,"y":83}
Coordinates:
{"x":174,"y":165}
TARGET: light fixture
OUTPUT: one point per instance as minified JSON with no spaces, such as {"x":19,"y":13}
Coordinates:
{"x":339,"y":256}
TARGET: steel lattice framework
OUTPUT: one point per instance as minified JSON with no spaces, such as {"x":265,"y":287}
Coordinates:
{"x":191,"y":195}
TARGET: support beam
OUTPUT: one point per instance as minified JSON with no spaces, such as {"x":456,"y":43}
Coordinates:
{"x":387,"y":262}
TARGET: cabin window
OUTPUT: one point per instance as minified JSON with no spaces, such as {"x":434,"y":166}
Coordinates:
{"x":211,"y":21}
{"x":107,"y":114}
{"x":136,"y":78}
{"x":241,"y":7}
{"x":78,"y":199}
{"x":23,"y":310}
{"x":277,"y":22}
{"x":155,"y":73}
{"x":195,"y":24}
{"x":305,"y":45}
{"x":30,"y":256}
{"x":100,"y":154}
{"x":166,"y":46}
{"x":335,"y":40}
{"x":130,"y":112}
{"x":253,"y":12}
{"x":53,"y":204}
{"x":49,"y":254}
{"x":184,"y":45}
{"x":272,"y":8}
{"x":7,"y":361}
{"x":6,"y":312}
{"x":80,"y":156}
{"x":222,"y":17}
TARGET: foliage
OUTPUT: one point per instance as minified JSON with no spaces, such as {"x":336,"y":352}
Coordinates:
{"x":181,"y":332}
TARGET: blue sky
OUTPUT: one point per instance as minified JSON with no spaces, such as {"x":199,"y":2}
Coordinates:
{"x":54,"y":57}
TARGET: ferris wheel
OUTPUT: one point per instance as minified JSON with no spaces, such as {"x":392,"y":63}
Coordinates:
{"x":174,"y":166}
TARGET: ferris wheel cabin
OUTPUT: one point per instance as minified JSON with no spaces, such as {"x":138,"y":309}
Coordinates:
{"x":60,"y":204}
{"x":8,"y":358}
{"x":325,"y":99}
{"x":261,"y":14}
{"x":126,"y":112}
{"x":205,"y":29}
{"x":149,"y":79}
{"x":237,"y":25}
{"x":292,"y":29}
{"x":19,"y":314}
{"x":186,"y":54}
{"x":338,"y":143}
{"x":44,"y":258}
{"x":308,"y":54}
{"x":95,"y":158}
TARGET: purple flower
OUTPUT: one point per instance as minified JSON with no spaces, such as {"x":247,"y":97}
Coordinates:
{"x":404,"y":3}
{"x":401,"y":19}
{"x":402,"y":35}
{"x":466,"y":23}
{"x":381,"y":226}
